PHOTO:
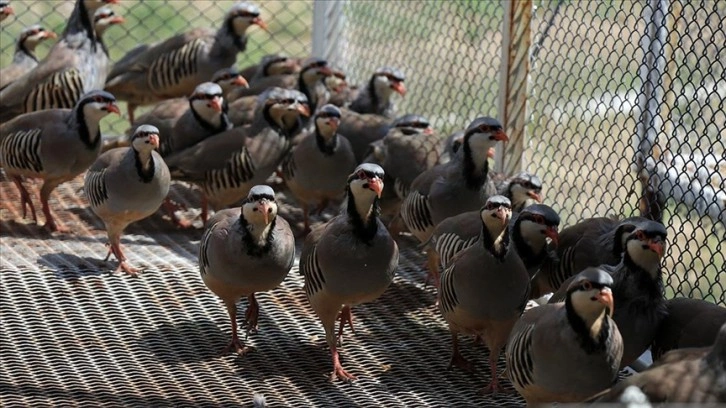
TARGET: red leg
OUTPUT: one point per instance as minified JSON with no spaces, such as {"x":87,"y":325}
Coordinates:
{"x":344,"y":316}
{"x":171,"y":207}
{"x":456,"y":358}
{"x":252,"y":314}
{"x":25,"y":198}
{"x":432,"y":265}
{"x":235,"y":344}
{"x":50,"y":223}
{"x":130,"y":109}
{"x":119,"y":254}
{"x":494,"y":387}
{"x":339,"y":372}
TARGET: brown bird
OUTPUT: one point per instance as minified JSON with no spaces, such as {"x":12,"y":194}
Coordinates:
{"x":55,"y":145}
{"x":341,"y":93}
{"x":349,"y":260}
{"x":691,"y":380}
{"x":244,"y":251}
{"x":172,"y":68}
{"x":75,"y":65}
{"x":253,"y":70}
{"x":274,"y":70}
{"x":567,"y":352}
{"x":126,"y":185}
{"x":104,"y":18}
{"x":637,"y":287}
{"x":689,"y":323}
{"x":375,"y":98}
{"x":24,"y":58}
{"x":484,"y":291}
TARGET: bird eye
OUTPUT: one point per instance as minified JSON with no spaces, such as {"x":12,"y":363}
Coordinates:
{"x":362,"y":175}
{"x":539,"y":219}
{"x":640,"y":235}
{"x":586,"y":285}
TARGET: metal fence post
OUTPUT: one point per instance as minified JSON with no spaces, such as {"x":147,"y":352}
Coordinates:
{"x":514,"y":82}
{"x":651,"y":72}
{"x":328,"y":30}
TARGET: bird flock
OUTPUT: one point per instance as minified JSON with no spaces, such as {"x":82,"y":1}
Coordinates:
{"x":568,"y":308}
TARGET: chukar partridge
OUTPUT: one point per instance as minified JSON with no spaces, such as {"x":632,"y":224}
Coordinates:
{"x":699,"y":381}
{"x":567,"y":352}
{"x":455,"y":187}
{"x":520,"y":189}
{"x":484,"y":291}
{"x":689,"y":323}
{"x":55,"y":145}
{"x":283,"y":65}
{"x":125,"y":185}
{"x":104,"y":18}
{"x":376,"y":96}
{"x":226,"y":165}
{"x":5,"y":9}
{"x":24,"y":58}
{"x":317,"y":168}
{"x":341,"y":93}
{"x":274,"y":70}
{"x":244,"y":251}
{"x":637,"y":287}
{"x":174,"y":67}
{"x":349,"y":260}
{"x":75,"y":65}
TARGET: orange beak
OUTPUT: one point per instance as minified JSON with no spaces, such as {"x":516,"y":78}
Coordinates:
{"x":154,"y":139}
{"x":260,"y":23}
{"x":535,"y":196}
{"x":490,"y":153}
{"x":8,"y":10}
{"x":112,"y":107}
{"x":552,"y":233}
{"x":50,"y":34}
{"x":501,"y":136}
{"x":117,"y":20}
{"x":111,"y":1}
{"x":656,"y":246}
{"x":376,"y":185}
{"x":428,"y":131}
{"x":606,"y":298}
{"x":239,"y":80}
{"x":502,"y":215}
{"x":264,"y":208}
{"x":399,"y":87}
{"x":304,"y":110}
{"x":333,"y":123}
{"x":216,"y":104}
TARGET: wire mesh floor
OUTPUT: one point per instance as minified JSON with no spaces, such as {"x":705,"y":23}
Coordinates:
{"x":73,"y":332}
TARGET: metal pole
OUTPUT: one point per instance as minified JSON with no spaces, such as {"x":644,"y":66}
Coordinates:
{"x":514,"y":80}
{"x":329,"y":30}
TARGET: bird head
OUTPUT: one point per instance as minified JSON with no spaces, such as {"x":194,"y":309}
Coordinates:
{"x":336,"y":82}
{"x":243,"y":15}
{"x":314,"y":70}
{"x":590,"y":294}
{"x":495,"y":214}
{"x":145,"y":138}
{"x":646,"y":245}
{"x":275,"y":64}
{"x":482,"y":134}
{"x":260,"y":208}
{"x":413,"y":125}
{"x":229,"y":78}
{"x":327,"y":120}
{"x":5,"y":9}
{"x":538,"y":222}
{"x":525,"y":186}
{"x":387,"y":80}
{"x":207,"y":101}
{"x":97,"y":104}
{"x":365,"y":186}
{"x":104,"y":18}
{"x":33,"y":35}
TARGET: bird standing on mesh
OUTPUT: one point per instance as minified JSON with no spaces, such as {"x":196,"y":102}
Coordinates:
{"x":349,"y":260}
{"x":243,"y":251}
{"x":55,"y":145}
{"x":125,"y":185}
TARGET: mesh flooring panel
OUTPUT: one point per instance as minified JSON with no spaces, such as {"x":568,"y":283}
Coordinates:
{"x":73,"y":332}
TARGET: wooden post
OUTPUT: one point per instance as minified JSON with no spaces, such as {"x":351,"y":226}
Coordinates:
{"x":514,"y":83}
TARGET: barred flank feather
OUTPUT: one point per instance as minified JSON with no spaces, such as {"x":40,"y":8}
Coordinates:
{"x":21,"y":150}
{"x":171,"y":68}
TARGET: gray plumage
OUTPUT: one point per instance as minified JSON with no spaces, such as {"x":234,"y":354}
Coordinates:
{"x":274,"y":71}
{"x":104,"y":18}
{"x":173,"y":68}
{"x":519,"y":188}
{"x":351,"y":259}
{"x":483,"y":292}
{"x":567,"y":352}
{"x":55,"y":145}
{"x":127,"y":184}
{"x":226,"y":165}
{"x":689,"y":323}
{"x":246,"y":250}
{"x":690,"y":380}
{"x":375,"y":98}
{"x":455,"y":187}
{"x":362,"y":130}
{"x":75,"y":65}
{"x":637,"y":287}
{"x":5,"y":9}
{"x":24,"y":58}
{"x":317,"y":168}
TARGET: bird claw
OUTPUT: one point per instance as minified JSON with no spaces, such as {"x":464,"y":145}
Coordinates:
{"x":130,"y":270}
{"x":51,"y":226}
{"x":459,"y":361}
{"x":238,"y":347}
{"x":340,"y":374}
{"x":494,"y":388}
{"x":252,"y":315}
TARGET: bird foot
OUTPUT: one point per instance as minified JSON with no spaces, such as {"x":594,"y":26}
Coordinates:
{"x":340,"y":374}
{"x":494,"y":388}
{"x":25,"y":200}
{"x":130,"y":270}
{"x":459,"y":361}
{"x":251,"y":315}
{"x":344,"y":316}
{"x":171,"y":208}
{"x":238,"y":347}
{"x":51,"y":226}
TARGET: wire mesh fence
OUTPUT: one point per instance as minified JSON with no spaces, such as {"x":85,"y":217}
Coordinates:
{"x":621,"y":94}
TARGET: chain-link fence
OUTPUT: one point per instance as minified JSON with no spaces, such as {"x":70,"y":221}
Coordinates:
{"x":622,"y":97}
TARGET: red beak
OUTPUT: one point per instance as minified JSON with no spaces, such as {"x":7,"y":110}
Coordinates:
{"x":111,"y":1}
{"x":333,"y":123}
{"x":501,"y":136}
{"x":304,"y":110}
{"x":502,"y":215}
{"x":428,"y":131}
{"x":490,"y":153}
{"x":216,"y":104}
{"x":534,"y":195}
{"x":112,"y":107}
{"x":239,"y":80}
{"x":117,"y":20}
{"x":552,"y":233}
{"x":657,"y":247}
{"x":399,"y":87}
{"x":264,"y":207}
{"x":8,"y":10}
{"x":606,"y":298}
{"x":376,"y":185}
{"x":260,"y":23}
{"x":154,"y":139}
